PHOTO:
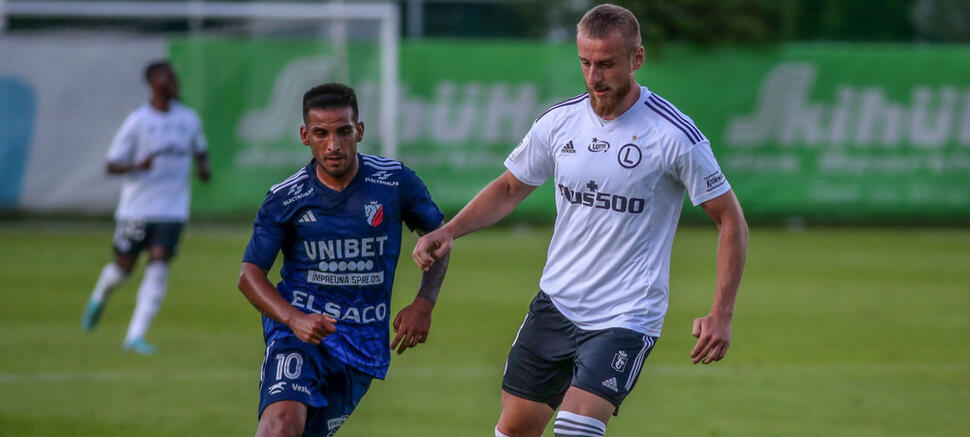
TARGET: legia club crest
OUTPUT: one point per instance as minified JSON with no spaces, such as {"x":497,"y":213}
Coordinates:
{"x":375,"y":213}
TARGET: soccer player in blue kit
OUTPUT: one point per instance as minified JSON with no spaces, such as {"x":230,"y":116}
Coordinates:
{"x":338,"y":223}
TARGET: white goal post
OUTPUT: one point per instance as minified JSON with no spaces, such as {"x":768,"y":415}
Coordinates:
{"x":387,"y":15}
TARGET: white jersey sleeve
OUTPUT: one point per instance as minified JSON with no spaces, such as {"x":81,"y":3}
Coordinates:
{"x":532,"y":161}
{"x":698,"y":170}
{"x":124,"y":144}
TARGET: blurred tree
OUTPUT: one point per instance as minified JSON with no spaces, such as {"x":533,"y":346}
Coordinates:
{"x":942,"y":20}
{"x":724,"y":22}
{"x":852,"y":20}
{"x":699,"y":21}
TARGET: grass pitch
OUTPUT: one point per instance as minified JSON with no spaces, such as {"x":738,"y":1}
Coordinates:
{"x":847,"y":332}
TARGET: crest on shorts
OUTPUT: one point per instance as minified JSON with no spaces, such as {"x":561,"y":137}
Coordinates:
{"x":374,"y":212}
{"x":619,"y":361}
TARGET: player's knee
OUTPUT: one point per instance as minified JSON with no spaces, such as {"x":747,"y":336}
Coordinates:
{"x":517,"y":428}
{"x":159,"y":253}
{"x":280,"y":424}
{"x":125,"y":263}
{"x":572,"y":424}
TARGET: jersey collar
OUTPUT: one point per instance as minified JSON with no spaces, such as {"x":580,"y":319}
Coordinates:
{"x":311,"y":169}
{"x":633,"y":109}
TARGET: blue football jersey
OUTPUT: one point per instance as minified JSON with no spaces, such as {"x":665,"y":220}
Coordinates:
{"x":340,"y":250}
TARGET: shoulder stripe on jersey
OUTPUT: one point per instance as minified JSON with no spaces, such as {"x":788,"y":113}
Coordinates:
{"x":676,"y":113}
{"x":287,"y":184}
{"x":379,"y":159}
{"x":381,"y":167}
{"x":289,"y":179}
{"x":566,"y":102}
{"x":384,"y":163}
{"x":689,"y":134}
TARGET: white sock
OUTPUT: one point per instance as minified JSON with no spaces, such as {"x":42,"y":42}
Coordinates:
{"x":572,"y":424}
{"x":151,"y":292}
{"x":111,"y":277}
{"x":499,"y":433}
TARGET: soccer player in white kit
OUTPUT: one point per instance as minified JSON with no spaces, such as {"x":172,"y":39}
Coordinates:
{"x":153,"y":152}
{"x":622,"y":159}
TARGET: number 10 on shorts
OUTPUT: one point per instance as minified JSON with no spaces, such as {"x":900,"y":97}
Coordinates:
{"x":289,"y":366}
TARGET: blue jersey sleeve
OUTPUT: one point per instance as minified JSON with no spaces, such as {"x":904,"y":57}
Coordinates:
{"x":419,"y":211}
{"x":267,"y":237}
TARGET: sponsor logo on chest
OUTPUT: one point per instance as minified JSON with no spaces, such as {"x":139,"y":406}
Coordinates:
{"x":344,"y":261}
{"x":598,"y":146}
{"x":382,"y":177}
{"x":296,"y":193}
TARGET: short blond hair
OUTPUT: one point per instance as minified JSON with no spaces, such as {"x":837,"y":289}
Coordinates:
{"x":601,"y":21}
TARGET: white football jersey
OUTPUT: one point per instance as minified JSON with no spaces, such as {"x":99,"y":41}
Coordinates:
{"x":160,"y":193}
{"x":619,"y":191}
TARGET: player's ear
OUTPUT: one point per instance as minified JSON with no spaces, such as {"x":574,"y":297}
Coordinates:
{"x":303,"y":136}
{"x":638,"y":58}
{"x":360,"y":131}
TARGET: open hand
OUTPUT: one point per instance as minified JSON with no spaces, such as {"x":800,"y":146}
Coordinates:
{"x":412,"y":325}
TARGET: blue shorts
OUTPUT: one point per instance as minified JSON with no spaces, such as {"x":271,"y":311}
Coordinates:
{"x":297,"y":371}
{"x":551,"y":354}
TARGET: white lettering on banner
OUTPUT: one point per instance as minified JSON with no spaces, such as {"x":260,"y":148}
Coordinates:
{"x":861,"y":116}
{"x":366,"y":314}
{"x":457,"y":113}
{"x":345,"y":279}
{"x":280,"y":116}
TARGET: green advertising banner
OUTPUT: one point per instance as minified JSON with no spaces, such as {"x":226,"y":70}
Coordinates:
{"x":831,"y":132}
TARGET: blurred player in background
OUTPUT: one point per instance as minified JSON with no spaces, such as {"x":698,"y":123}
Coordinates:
{"x":153,"y":151}
{"x":622,"y":158}
{"x":338,"y":223}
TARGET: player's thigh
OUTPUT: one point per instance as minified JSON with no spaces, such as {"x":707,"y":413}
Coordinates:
{"x":162,"y":240}
{"x":282,"y":418}
{"x":609,"y":361}
{"x":523,"y":417}
{"x":540,"y":363}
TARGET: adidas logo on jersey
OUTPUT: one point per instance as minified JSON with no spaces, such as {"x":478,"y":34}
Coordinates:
{"x":611,"y":384}
{"x":568,"y":148}
{"x":307,"y":218}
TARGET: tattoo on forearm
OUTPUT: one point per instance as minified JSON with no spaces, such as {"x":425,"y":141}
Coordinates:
{"x":431,"y":280}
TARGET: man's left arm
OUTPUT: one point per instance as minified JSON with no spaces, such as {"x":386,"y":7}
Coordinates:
{"x":202,"y":166}
{"x":200,"y":151}
{"x":713,"y":331}
{"x":413,"y":322}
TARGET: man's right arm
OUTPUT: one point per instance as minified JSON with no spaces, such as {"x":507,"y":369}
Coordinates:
{"x":492,"y":204}
{"x":261,"y":293}
{"x":122,"y":168}
{"x":121,"y":152}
